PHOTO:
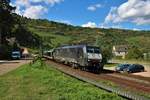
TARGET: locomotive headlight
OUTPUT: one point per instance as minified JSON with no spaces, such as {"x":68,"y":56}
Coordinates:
{"x":100,"y":56}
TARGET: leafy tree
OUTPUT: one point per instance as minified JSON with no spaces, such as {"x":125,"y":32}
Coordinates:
{"x":6,"y":19}
{"x":106,"y":48}
{"x":134,"y":53}
{"x":26,"y":38}
{"x":106,"y":55}
{"x":5,"y":52}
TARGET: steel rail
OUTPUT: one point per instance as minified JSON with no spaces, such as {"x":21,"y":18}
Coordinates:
{"x":130,"y":78}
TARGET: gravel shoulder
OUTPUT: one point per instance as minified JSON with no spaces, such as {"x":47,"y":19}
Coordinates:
{"x":144,"y":74}
{"x":7,"y":66}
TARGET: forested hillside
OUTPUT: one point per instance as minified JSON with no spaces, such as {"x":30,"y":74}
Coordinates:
{"x":55,"y":34}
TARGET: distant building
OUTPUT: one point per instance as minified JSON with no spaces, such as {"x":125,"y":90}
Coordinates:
{"x":25,"y":52}
{"x":120,"y":50}
{"x":146,"y":56}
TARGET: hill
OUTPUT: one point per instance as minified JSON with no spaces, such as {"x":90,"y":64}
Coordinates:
{"x":54,"y":34}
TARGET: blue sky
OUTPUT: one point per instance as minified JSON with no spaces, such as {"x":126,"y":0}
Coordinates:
{"x":127,"y":14}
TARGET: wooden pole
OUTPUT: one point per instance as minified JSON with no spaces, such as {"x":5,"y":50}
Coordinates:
{"x":0,"y":38}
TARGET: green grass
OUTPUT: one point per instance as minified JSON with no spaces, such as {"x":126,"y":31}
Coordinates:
{"x":109,"y":83}
{"x":35,"y":83}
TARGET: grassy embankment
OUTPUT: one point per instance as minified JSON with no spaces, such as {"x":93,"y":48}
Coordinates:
{"x":43,"y":83}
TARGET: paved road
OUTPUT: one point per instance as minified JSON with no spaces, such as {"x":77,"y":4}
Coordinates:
{"x":7,"y":66}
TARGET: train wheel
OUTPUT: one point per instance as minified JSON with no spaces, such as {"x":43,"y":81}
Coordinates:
{"x":74,"y":65}
{"x":65,"y":62}
{"x":83,"y":68}
{"x":97,"y":69}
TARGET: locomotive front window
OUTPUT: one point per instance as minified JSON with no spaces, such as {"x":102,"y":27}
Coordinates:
{"x":90,"y":50}
{"x":96,"y":50}
{"x":93,"y":50}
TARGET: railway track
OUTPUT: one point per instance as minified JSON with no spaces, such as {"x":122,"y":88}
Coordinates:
{"x":131,"y":78}
{"x":96,"y":80}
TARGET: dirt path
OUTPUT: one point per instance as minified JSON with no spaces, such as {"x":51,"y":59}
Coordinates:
{"x":7,"y":66}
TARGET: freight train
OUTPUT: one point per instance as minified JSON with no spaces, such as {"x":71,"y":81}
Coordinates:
{"x":78,"y":56}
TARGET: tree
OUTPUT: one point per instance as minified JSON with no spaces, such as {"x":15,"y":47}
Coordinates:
{"x":134,"y":53}
{"x":106,"y":55}
{"x":26,"y":38}
{"x":6,"y":20}
{"x":106,"y":48}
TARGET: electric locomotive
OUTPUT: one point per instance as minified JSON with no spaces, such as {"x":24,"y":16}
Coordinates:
{"x":80,"y":56}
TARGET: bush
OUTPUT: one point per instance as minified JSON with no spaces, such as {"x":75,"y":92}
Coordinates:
{"x":134,"y":53}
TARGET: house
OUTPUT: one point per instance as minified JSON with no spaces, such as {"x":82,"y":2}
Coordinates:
{"x":25,"y":52}
{"x":120,"y":50}
{"x":146,"y":56}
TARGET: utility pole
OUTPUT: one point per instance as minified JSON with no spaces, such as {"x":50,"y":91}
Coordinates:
{"x":0,"y":44}
{"x":0,"y":37}
{"x":41,"y":52}
{"x":41,"y":48}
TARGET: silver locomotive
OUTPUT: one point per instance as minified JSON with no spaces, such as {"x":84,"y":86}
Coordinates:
{"x":79,"y":56}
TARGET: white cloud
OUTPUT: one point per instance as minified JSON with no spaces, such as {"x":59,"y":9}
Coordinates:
{"x":136,"y":11}
{"x":104,"y":25}
{"x":94,"y":7}
{"x":90,"y":24}
{"x":52,"y":2}
{"x":116,"y":26}
{"x":141,"y":21}
{"x":18,"y":11}
{"x":136,"y":29}
{"x":112,"y":16}
{"x":32,"y":8}
{"x":64,"y":21}
{"x":34,"y":11}
{"x":25,"y":3}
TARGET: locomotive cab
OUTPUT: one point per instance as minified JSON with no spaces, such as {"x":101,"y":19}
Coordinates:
{"x":94,"y":58}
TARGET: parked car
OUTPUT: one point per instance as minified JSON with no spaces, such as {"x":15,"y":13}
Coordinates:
{"x":134,"y":68}
{"x":121,"y":67}
{"x":16,"y":55}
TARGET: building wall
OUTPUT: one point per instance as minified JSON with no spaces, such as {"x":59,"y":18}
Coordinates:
{"x":119,"y":53}
{"x":116,"y":53}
